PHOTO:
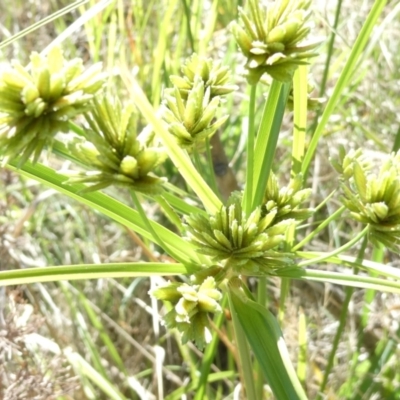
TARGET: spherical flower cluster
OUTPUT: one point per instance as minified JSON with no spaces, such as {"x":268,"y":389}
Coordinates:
{"x":287,"y":200}
{"x":191,"y":121}
{"x":374,"y":198}
{"x":214,"y":75}
{"x":113,"y":152}
{"x":191,"y":107}
{"x":244,"y":244}
{"x":192,"y":304}
{"x":37,"y":102}
{"x":272,"y":40}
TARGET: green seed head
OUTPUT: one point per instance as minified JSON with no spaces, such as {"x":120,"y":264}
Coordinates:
{"x":287,"y":200}
{"x":346,"y":161}
{"x":247,"y":245}
{"x":191,"y":306}
{"x":212,"y":73}
{"x":37,"y":103}
{"x":373,"y":198}
{"x":272,"y":39}
{"x":193,"y":119}
{"x":112,"y":151}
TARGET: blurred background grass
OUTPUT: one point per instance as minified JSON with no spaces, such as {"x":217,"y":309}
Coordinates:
{"x":102,"y":339}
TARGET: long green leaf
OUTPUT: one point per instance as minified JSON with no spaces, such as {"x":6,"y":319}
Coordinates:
{"x":159,"y":55}
{"x":346,"y":279}
{"x":367,"y":265}
{"x":90,"y":271}
{"x":300,"y":91}
{"x":83,"y":368}
{"x":267,"y":138}
{"x":266,"y":339}
{"x":209,"y":355}
{"x":108,"y":206}
{"x":42,"y":22}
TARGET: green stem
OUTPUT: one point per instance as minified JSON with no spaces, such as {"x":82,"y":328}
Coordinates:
{"x":300,"y":92}
{"x":330,"y":49}
{"x":150,"y":229}
{"x":209,"y":355}
{"x":327,"y":63}
{"x":42,"y":21}
{"x":179,"y":157}
{"x":197,"y":161}
{"x":77,"y":129}
{"x":262,"y":300}
{"x":339,"y":250}
{"x":242,"y":346}
{"x":342,"y":322}
{"x":322,"y":226}
{"x":189,"y":29}
{"x":378,"y":254}
{"x":396,"y":144}
{"x":285,"y":282}
{"x":169,"y":212}
{"x":267,"y":138}
{"x":213,"y":181}
{"x":247,"y":199}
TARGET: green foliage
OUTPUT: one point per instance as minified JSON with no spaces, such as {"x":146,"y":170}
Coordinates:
{"x":213,"y":251}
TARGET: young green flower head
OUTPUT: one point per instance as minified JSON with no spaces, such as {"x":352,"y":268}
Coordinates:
{"x":113,"y":152}
{"x":37,"y":102}
{"x":191,"y":121}
{"x":287,"y":200}
{"x":345,"y":164}
{"x":213,"y":74}
{"x":192,"y":304}
{"x":245,"y":244}
{"x":374,"y":199}
{"x":272,"y":40}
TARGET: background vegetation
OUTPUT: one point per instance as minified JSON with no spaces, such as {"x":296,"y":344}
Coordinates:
{"x":102,"y":339}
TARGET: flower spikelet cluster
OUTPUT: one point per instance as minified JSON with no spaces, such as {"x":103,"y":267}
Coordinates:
{"x":246,"y":244}
{"x":214,"y":75}
{"x":347,"y":160}
{"x":37,"y":102}
{"x":191,"y":306}
{"x":191,"y":107}
{"x":114,"y":153}
{"x":287,"y":200}
{"x":272,"y":39}
{"x":374,"y":199}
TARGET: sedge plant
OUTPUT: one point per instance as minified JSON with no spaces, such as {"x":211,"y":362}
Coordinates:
{"x":215,"y":248}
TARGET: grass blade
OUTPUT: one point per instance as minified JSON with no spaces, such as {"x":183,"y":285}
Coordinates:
{"x":344,"y":78}
{"x":267,"y":138}
{"x":265,"y":337}
{"x":90,"y":271}
{"x":112,"y":208}
{"x":300,"y":117}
